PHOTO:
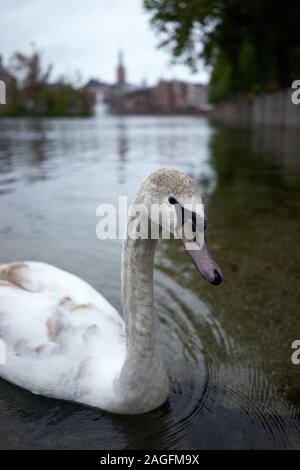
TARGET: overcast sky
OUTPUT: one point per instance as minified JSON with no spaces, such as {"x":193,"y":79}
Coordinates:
{"x":86,"y":35}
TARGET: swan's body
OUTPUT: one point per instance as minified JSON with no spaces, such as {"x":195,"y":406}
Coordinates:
{"x":57,"y":330}
{"x":64,"y":340}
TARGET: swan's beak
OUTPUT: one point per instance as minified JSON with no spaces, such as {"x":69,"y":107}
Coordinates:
{"x":204,"y":262}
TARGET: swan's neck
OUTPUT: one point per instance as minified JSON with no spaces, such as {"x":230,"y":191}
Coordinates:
{"x":137,"y":293}
{"x":143,"y":382}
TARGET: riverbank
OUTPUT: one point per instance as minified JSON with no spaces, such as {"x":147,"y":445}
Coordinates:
{"x":267,"y":109}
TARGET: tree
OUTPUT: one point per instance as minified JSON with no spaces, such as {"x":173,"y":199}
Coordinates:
{"x":255,"y":43}
{"x":33,"y":94}
{"x":32,"y":76}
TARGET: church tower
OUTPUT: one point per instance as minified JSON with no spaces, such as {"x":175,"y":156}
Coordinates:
{"x":121,"y":72}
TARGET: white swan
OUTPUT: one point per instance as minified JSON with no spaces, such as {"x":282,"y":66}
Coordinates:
{"x":64,"y":340}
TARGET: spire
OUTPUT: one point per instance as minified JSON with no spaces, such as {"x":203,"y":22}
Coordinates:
{"x":120,"y":58}
{"x":121,"y":72}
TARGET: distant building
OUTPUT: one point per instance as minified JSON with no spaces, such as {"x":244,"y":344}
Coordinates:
{"x":197,"y":97}
{"x":179,"y":97}
{"x":162,"y":96}
{"x":139,"y":101}
{"x":121,"y":94}
{"x":121,"y":71}
{"x":98,"y":89}
{"x":166,"y":97}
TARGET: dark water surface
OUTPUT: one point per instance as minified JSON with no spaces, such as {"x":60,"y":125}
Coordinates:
{"x":227,"y":349}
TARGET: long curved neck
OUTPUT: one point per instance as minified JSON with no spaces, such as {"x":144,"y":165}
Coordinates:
{"x":143,"y":383}
{"x":137,"y":293}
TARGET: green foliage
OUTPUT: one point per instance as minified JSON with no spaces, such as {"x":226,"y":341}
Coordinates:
{"x":221,"y":79}
{"x":64,"y":100}
{"x":31,"y":94}
{"x":247,"y":64}
{"x":252,"y":45}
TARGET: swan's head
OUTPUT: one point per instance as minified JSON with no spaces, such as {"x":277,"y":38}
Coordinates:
{"x":181,"y":212}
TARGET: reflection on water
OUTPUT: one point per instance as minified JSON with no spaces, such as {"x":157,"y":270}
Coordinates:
{"x":227,"y":349}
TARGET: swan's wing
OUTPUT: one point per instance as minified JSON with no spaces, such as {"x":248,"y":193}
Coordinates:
{"x":30,"y":293}
{"x":56,"y":329}
{"x":43,"y":278}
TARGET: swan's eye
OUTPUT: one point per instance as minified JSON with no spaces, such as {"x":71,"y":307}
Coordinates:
{"x":172,"y":200}
{"x":194,"y":220}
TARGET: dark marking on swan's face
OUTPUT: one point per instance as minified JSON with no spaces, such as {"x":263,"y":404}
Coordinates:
{"x":196,"y":246}
{"x":181,"y":198}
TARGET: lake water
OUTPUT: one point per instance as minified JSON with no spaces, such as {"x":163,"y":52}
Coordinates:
{"x":228,"y":348}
